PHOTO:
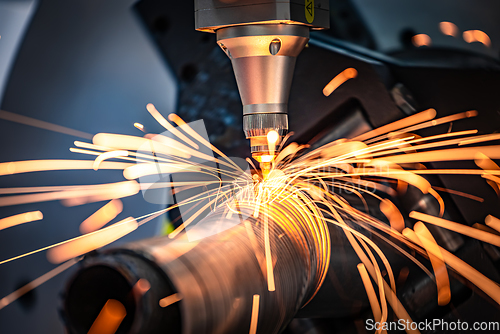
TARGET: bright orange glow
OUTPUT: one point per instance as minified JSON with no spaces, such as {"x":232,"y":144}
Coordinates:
{"x":101,"y":217}
{"x":142,"y":286}
{"x":493,"y":222}
{"x":27,"y":166}
{"x":10,"y":116}
{"x":36,"y":283}
{"x":269,"y":259}
{"x":452,"y":154}
{"x":109,"y":319}
{"x":20,"y":219}
{"x":468,"y":272}
{"x":139,"y":126}
{"x":255,"y":314}
{"x":125,"y":142}
{"x":393,"y":214}
{"x":77,"y":195}
{"x":272,"y":139}
{"x":108,"y":155}
{"x":448,"y":28}
{"x":482,"y":161}
{"x":459,"y":228}
{"x":471,"y":36}
{"x":167,"y":301}
{"x":403,"y":123}
{"x":92,"y":241}
{"x":437,"y":262}
{"x":136,"y":171}
{"x":421,"y":40}
{"x":163,"y":122}
{"x":370,"y":291}
{"x":348,"y":73}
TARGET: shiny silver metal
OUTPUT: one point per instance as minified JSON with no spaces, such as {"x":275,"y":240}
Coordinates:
{"x":263,"y":58}
{"x":217,"y":277}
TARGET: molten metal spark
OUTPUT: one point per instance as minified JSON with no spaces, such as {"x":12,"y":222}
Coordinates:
{"x":421,"y":40}
{"x":167,"y":301}
{"x":348,"y":73}
{"x":109,"y":319}
{"x":448,"y":28}
{"x":20,"y":219}
{"x":101,"y":217}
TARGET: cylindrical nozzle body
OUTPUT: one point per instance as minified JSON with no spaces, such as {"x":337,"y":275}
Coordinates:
{"x":263,"y":58}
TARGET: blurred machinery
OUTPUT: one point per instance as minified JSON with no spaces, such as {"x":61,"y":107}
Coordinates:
{"x":388,"y":87}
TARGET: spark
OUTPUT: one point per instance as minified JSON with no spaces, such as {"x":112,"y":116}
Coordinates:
{"x":101,"y":217}
{"x":19,"y":219}
{"x":108,"y":155}
{"x":139,"y":126}
{"x":91,"y":241}
{"x":421,"y":40}
{"x":339,"y":79}
{"x":169,"y":300}
{"x":141,"y":286}
{"x":493,"y":222}
{"x":5,"y":301}
{"x":255,"y":314}
{"x":13,"y":117}
{"x":109,"y":319}
{"x":456,"y":227}
{"x":448,"y":29}
{"x":370,"y":291}
{"x":28,"y":166}
{"x":471,"y":36}
{"x":437,"y":262}
{"x":160,"y":119}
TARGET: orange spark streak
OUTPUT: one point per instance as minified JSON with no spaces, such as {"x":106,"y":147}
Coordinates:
{"x":101,"y":217}
{"x":109,"y":319}
{"x":78,"y":195}
{"x":370,"y":291}
{"x":126,"y":142}
{"x":451,"y":154}
{"x":272,"y":139}
{"x":167,"y":301}
{"x":20,"y":219}
{"x":148,"y":217}
{"x":139,"y":170}
{"x":482,"y":161}
{"x":464,"y":269}
{"x":163,"y":122}
{"x":402,"y":123}
{"x":141,"y":286}
{"x":471,"y":36}
{"x":421,"y":40}
{"x":269,"y":259}
{"x":108,"y":155}
{"x":437,"y":261}
{"x":339,"y":79}
{"x":448,"y":29}
{"x":139,"y":126}
{"x":90,"y":242}
{"x":392,"y":213}
{"x":493,"y":222}
{"x":27,"y":166}
{"x":35,"y":283}
{"x":459,"y":228}
{"x":255,"y":314}
{"x":479,"y":139}
{"x":10,"y":116}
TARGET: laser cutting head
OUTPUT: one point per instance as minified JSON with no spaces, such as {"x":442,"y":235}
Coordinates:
{"x":262,"y":39}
